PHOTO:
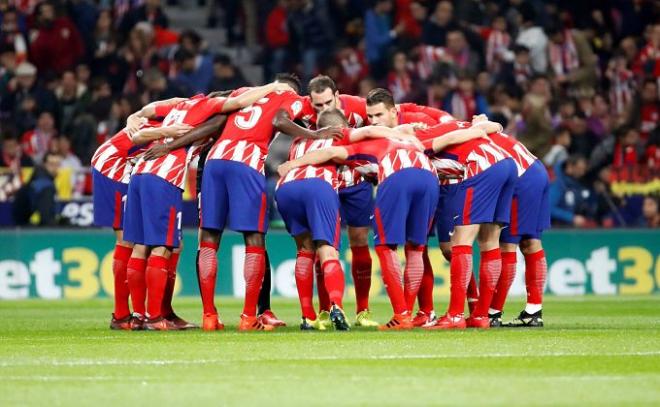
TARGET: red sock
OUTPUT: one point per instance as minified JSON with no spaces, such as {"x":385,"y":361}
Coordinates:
{"x":490,"y":268}
{"x":333,"y":275}
{"x":119,"y":263}
{"x":536,"y":269}
{"x":413,"y":274}
{"x":460,"y":270}
{"x":157,"y":267}
{"x":304,"y":273}
{"x":208,"y":271}
{"x":391,"y":270}
{"x":137,"y":284}
{"x":472,"y":293}
{"x":425,"y":294}
{"x":324,"y":299}
{"x":361,"y":271}
{"x":505,"y":281}
{"x":253,"y":272}
{"x":169,"y":287}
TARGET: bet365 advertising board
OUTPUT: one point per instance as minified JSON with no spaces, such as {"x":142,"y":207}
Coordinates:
{"x":77,"y":264}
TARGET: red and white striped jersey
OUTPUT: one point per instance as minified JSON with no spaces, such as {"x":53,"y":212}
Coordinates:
{"x":114,"y":158}
{"x":461,"y":161}
{"x":390,"y":155}
{"x":355,"y":110}
{"x":174,"y":166}
{"x":299,"y":148}
{"x":517,"y":150}
{"x":249,"y":131}
{"x":437,"y":115}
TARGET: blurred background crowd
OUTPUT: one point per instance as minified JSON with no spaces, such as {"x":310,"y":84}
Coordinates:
{"x":576,"y":81}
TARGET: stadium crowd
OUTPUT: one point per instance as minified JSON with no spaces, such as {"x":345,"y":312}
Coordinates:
{"x":577,"y":82}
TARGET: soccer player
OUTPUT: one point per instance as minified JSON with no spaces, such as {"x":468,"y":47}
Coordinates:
{"x":234,"y":192}
{"x":154,"y":224}
{"x":530,"y":216}
{"x":307,"y":199}
{"x":355,"y":197}
{"x":405,"y":203}
{"x":111,"y":168}
{"x":480,"y":205}
{"x":382,"y":111}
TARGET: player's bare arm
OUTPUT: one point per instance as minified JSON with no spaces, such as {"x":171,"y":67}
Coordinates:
{"x":482,"y":122}
{"x":282,"y":122}
{"x":337,"y":154}
{"x":210,"y":128}
{"x":253,"y":95}
{"x":457,"y":137}
{"x":155,"y":133}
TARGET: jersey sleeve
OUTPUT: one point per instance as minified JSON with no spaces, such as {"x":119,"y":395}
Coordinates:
{"x":163,"y":109}
{"x":293,"y":104}
{"x":416,"y":117}
{"x":216,"y":104}
{"x":358,"y":106}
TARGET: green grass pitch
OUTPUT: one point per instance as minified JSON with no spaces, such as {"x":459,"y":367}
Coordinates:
{"x":593,"y":351}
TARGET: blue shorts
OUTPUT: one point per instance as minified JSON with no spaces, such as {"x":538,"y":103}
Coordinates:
{"x":310,"y":205}
{"x":108,"y":197}
{"x":486,"y":197}
{"x":405,"y":205}
{"x":234,"y":197}
{"x":444,"y":219}
{"x":153,"y":212}
{"x":530,"y":207}
{"x":357,"y":204}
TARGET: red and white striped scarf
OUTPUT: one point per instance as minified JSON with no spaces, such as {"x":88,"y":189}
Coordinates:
{"x":399,"y":85}
{"x":498,"y":42}
{"x":429,"y":56}
{"x":463,"y":107}
{"x":621,"y":90}
{"x":564,"y":57}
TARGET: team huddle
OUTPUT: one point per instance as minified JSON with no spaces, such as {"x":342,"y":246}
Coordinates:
{"x":463,"y":181}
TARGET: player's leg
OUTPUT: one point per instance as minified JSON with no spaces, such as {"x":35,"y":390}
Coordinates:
{"x":509,"y":261}
{"x":536,"y":270}
{"x":156,"y":276}
{"x":167,"y":310}
{"x":263,"y":305}
{"x":490,"y":267}
{"x":390,"y":215}
{"x":357,"y":209}
{"x":121,"y":316}
{"x":213,"y":208}
{"x":304,"y":275}
{"x":254,"y":268}
{"x":333,"y":275}
{"x":137,"y":264}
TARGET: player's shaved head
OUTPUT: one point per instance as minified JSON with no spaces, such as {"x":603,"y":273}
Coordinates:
{"x":332,"y":118}
{"x":380,"y":95}
{"x":291,"y":79}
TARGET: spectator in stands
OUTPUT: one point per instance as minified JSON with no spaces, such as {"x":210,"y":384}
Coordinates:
{"x":570,"y":200}
{"x":38,"y":195}
{"x":460,"y":53}
{"x":379,"y":36}
{"x":24,"y":97}
{"x":70,"y":162}
{"x":465,"y":102}
{"x":624,"y":150}
{"x":572,"y":61}
{"x":400,"y":80}
{"x":226,"y":75}
{"x":438,"y":26}
{"x":55,"y":45}
{"x":139,"y":55}
{"x":158,"y":87}
{"x":645,"y":111}
{"x":11,"y":36}
{"x":276,"y":36}
{"x":150,"y":11}
{"x":535,"y":126}
{"x":517,"y":74}
{"x":651,"y":213}
{"x":187,"y":77}
{"x":73,"y":98}
{"x":312,"y":33}
{"x":533,"y":37}
{"x":199,"y":77}
{"x":559,"y":151}
{"x":36,"y":142}
{"x":13,"y":160}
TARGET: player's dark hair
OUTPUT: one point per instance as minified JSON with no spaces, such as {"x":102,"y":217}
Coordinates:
{"x":220,"y":93}
{"x":574,"y":159}
{"x":380,"y":95}
{"x":290,"y":78}
{"x":332,"y":118}
{"x":320,"y":83}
